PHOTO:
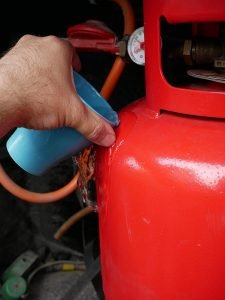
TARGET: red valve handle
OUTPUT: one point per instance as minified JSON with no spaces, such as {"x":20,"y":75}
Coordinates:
{"x":93,"y":36}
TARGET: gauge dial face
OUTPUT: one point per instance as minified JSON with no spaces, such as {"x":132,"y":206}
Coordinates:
{"x":136,"y":46}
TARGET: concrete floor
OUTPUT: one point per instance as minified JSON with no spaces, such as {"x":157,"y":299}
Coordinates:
{"x":53,"y":286}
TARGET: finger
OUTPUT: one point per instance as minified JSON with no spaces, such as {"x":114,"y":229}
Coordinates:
{"x":76,"y":62}
{"x":90,"y":124}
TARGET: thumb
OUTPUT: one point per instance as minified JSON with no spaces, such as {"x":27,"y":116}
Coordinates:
{"x":88,"y":123}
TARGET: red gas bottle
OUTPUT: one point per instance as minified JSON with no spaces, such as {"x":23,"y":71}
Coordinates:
{"x":161,"y":187}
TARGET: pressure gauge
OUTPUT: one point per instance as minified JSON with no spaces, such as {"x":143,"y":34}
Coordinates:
{"x":136,"y":46}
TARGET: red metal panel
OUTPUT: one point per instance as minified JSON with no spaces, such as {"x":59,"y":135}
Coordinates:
{"x":161,"y":202}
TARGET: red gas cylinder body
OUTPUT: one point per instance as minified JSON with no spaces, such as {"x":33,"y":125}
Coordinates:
{"x":161,"y":187}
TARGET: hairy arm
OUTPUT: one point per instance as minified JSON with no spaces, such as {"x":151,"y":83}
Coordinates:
{"x":10,"y":109}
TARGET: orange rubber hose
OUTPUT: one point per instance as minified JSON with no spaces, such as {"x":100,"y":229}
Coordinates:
{"x":119,"y":65}
{"x":106,"y":91}
{"x":72,"y":220}
{"x":32,"y":197}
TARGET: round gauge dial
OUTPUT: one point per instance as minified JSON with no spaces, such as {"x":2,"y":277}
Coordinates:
{"x":136,"y":46}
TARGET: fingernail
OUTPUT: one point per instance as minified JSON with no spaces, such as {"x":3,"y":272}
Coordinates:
{"x":108,"y":140}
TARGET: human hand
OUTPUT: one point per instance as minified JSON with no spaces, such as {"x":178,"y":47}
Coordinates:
{"x":38,"y":92}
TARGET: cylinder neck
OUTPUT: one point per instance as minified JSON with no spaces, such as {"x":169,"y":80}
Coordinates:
{"x":193,"y":98}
